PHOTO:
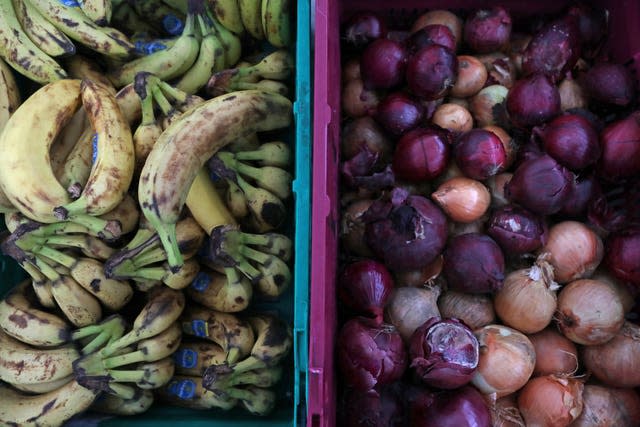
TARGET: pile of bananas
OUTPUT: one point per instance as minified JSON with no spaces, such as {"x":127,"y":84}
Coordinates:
{"x":145,"y":186}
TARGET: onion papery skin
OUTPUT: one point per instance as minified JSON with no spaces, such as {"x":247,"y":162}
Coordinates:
{"x":601,"y":408}
{"x":551,"y":401}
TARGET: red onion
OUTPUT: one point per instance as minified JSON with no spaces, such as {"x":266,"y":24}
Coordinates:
{"x":444,"y":353}
{"x":497,"y":185}
{"x":370,"y":354}
{"x":463,"y":407}
{"x":365,"y":131}
{"x":621,"y":148}
{"x":363,"y":28}
{"x":431,"y":34}
{"x":352,"y":229}
{"x":432,"y":71}
{"x":440,"y":17}
{"x":398,"y":113}
{"x":378,"y":407}
{"x":479,"y":154}
{"x":540,"y":185}
{"x":532,"y":101}
{"x":585,"y":190}
{"x":629,"y":402}
{"x":592,"y":26}
{"x":553,"y":50}
{"x":383,"y":64}
{"x":615,"y":207}
{"x":609,"y":83}
{"x":516,"y":230}
{"x":473,"y":263}
{"x":364,"y":286}
{"x":488,"y":30}
{"x":571,"y":140}
{"x":422,"y":154}
{"x":407,"y":232}
{"x":622,"y":255}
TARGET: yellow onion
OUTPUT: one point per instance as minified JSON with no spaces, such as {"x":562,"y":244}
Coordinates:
{"x":551,"y":401}
{"x":463,"y":199}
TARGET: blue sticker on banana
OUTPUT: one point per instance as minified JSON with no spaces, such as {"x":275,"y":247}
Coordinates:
{"x":201,"y":282}
{"x":186,"y":358}
{"x":70,"y":3}
{"x":200,"y":328}
{"x":183,"y":389}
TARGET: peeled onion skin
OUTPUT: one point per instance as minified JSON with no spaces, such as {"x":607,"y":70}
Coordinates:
{"x":617,"y":362}
{"x":551,"y":401}
{"x":555,"y":353}
{"x":475,"y":310}
{"x":589,"y":312}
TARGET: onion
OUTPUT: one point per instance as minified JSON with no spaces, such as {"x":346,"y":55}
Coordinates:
{"x":516,"y":230}
{"x":455,"y":118}
{"x":586,"y":189}
{"x":432,"y":71}
{"x":472,"y":76}
{"x":527,"y":299}
{"x":365,"y":131}
{"x":398,"y":113}
{"x":363,"y":28}
{"x":574,"y":250}
{"x":571,"y":95}
{"x":540,"y":185}
{"x":532,"y":101}
{"x":431,"y":34}
{"x":589,"y":312}
{"x":629,"y":402}
{"x":382,"y":64}
{"x":378,"y":407}
{"x":488,"y":30}
{"x":440,"y":17}
{"x":479,"y":154}
{"x":592,"y":26}
{"x":497,"y":185}
{"x":621,"y":148}
{"x":370,"y":354}
{"x":364,"y":287}
{"x":622,"y":289}
{"x":462,"y":199}
{"x":509,"y":144}
{"x":553,"y":50}
{"x":500,"y":69}
{"x":614,"y":206}
{"x":351,"y":70}
{"x":609,"y":83}
{"x":507,"y":359}
{"x":555,"y":353}
{"x":505,"y":412}
{"x":617,"y":362}
{"x":352,"y":230}
{"x":571,"y":140}
{"x":423,"y":277}
{"x":458,"y":228}
{"x":623,"y":255}
{"x":475,"y":310}
{"x":356,"y":100}
{"x":422,"y":154}
{"x":463,"y":407}
{"x":473,"y":263}
{"x":518,"y":43}
{"x":408,"y":308}
{"x":600,"y":408}
{"x":444,"y":353}
{"x":407,"y":232}
{"x":488,"y":106}
{"x":551,"y":401}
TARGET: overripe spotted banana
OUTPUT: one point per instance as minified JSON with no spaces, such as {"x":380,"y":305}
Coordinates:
{"x":256,"y":400}
{"x":108,"y":403}
{"x":99,"y":11}
{"x":274,"y":153}
{"x":187,"y":391}
{"x":48,"y":409}
{"x":149,"y":129}
{"x":127,"y":20}
{"x":74,"y":171}
{"x":146,"y":375}
{"x":126,"y":212}
{"x":163,"y":273}
{"x":272,"y":178}
{"x":276,"y":22}
{"x":66,"y":141}
{"x":17,"y":49}
{"x":43,"y":386}
{"x":221,"y":292}
{"x":21,"y":363}
{"x":26,"y":176}
{"x":22,"y":320}
{"x":192,"y":140}
{"x":193,"y":357}
{"x":160,"y":15}
{"x":230,"y":41}
{"x":228,"y":13}
{"x":81,"y":67}
{"x":71,"y":20}
{"x":9,"y":94}
{"x":251,"y":14}
{"x":43,"y":33}
{"x":89,"y":273}
{"x":267,"y":210}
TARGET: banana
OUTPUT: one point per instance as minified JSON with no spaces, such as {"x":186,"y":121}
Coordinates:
{"x":266,"y":85}
{"x":42,"y":387}
{"x":78,"y":304}
{"x":210,"y":58}
{"x":247,"y":143}
{"x":236,"y":200}
{"x":149,"y":129}
{"x":165,"y":64}
{"x":274,"y":153}
{"x":175,"y":280}
{"x":251,"y":15}
{"x":275,"y":278}
{"x":189,"y":143}
{"x":181,"y":5}
{"x":221,"y":292}
{"x":48,"y":38}
{"x":22,"y":320}
{"x":48,"y":409}
{"x":99,"y":11}
{"x":160,"y":15}
{"x":9,"y":94}
{"x":268,"y":211}
{"x":231,"y":42}
{"x":228,"y":13}
{"x":74,"y":172}
{"x":94,"y":337}
{"x":127,"y":20}
{"x":20,"y":363}
{"x":271,"y":178}
{"x":111,"y":404}
{"x":256,"y":400}
{"x":66,"y":141}
{"x":233,"y":334}
{"x":112,"y":170}
{"x":17,"y":49}
{"x":187,"y":391}
{"x":71,"y":20}
{"x":89,"y":245}
{"x":126,"y":212}
{"x":80,"y":67}
{"x":43,"y":293}
{"x":149,"y":375}
{"x":192,"y":358}
{"x":163,"y":307}
{"x":89,"y":273}
{"x":276,"y":22}
{"x":26,"y":176}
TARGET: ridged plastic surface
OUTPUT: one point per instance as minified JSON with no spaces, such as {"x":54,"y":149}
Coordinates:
{"x":624,"y":46}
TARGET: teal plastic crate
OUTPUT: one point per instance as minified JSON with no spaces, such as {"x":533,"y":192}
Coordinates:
{"x":294,"y":304}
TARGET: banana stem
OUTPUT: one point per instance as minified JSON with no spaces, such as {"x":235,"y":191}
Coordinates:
{"x":132,"y":376}
{"x":107,"y":229}
{"x":162,"y":101}
{"x":96,"y":343}
{"x":46,"y":269}
{"x":256,"y":239}
{"x":57,"y":256}
{"x":61,"y":228}
{"x":149,"y":257}
{"x":255,"y":255}
{"x":174,"y":93}
{"x":148,"y":116}
{"x":123,"y":391}
{"x":124,"y":359}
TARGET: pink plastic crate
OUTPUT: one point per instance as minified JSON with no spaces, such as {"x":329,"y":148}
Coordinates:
{"x":625,"y":46}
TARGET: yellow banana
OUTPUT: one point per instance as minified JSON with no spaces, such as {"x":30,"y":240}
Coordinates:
{"x":9,"y":94}
{"x":276,"y":21}
{"x":99,"y":11}
{"x":126,"y":212}
{"x":115,"y":405}
{"x":26,"y":176}
{"x":236,"y":200}
{"x":48,"y":409}
{"x":214,"y":290}
{"x":42,"y":387}
{"x":251,"y":14}
{"x":76,"y":168}
{"x":228,"y":13}
{"x":189,"y":143}
{"x":89,"y":273}
{"x":81,"y":67}
{"x":205,"y":204}
{"x":230,"y":41}
{"x":66,"y":141}
{"x":112,"y":170}
{"x":187,"y":391}
{"x":192,"y":358}
{"x":47,"y":37}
